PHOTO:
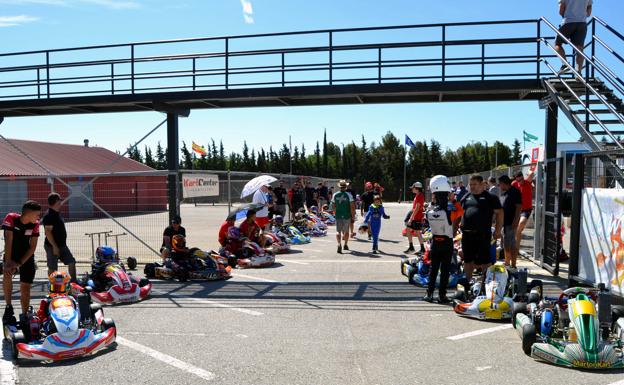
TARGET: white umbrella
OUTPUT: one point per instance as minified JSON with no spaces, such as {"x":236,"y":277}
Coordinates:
{"x":254,"y":185}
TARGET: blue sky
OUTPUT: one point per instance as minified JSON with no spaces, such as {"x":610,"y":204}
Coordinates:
{"x":42,"y":24}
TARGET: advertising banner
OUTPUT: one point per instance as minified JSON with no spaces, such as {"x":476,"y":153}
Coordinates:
{"x":200,"y":185}
{"x":601,"y":254}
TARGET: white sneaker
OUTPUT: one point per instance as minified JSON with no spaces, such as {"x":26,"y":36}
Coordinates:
{"x":563,"y":70}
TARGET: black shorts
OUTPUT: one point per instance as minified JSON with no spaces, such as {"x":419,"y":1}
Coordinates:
{"x":575,"y":32}
{"x":476,"y":248}
{"x":415,"y":225}
{"x":27,"y":270}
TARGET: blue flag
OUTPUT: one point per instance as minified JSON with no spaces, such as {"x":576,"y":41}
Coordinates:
{"x":408,"y":141}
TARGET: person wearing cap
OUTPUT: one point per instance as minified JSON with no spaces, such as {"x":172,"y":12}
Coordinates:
{"x":174,"y":229}
{"x":344,"y":207}
{"x":225,"y":227}
{"x":262,"y":215}
{"x":414,"y":222}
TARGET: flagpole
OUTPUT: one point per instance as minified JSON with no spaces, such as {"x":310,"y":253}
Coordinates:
{"x":404,"y":170}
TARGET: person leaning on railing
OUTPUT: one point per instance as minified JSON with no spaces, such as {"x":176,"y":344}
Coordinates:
{"x":574,"y":27}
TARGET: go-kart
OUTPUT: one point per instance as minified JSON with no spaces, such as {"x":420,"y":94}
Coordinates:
{"x":417,"y":270}
{"x":276,"y":244}
{"x":494,"y":297}
{"x":251,"y":255}
{"x":328,"y":218}
{"x":75,"y":328}
{"x":579,"y":329}
{"x":118,"y":286}
{"x":199,"y":265}
{"x":295,"y":236}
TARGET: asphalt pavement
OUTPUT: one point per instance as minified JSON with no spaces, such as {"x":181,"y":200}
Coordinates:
{"x":315,"y":317}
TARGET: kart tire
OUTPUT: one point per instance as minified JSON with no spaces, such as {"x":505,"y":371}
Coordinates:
{"x":183,"y":275}
{"x":150,"y":270}
{"x":18,"y":337}
{"x":143,"y":282}
{"x":132,"y":263}
{"x":518,"y":307}
{"x":232,"y":262}
{"x":24,"y":325}
{"x":410,"y":277}
{"x":84,"y":306}
{"x":529,"y":337}
{"x":539,"y":284}
{"x":1,"y":267}
{"x":617,"y":311}
{"x":108,"y":323}
{"x":460,"y":295}
{"x":94,"y":308}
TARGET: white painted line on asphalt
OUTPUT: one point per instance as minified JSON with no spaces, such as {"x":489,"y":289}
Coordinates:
{"x":167,"y":359}
{"x":209,"y":302}
{"x":242,"y":336}
{"x":8,"y":372}
{"x":479,"y":332}
{"x":348,"y":261}
{"x":295,"y":262}
{"x":482,"y":368}
{"x":168,"y":334}
{"x":621,"y":382}
{"x":259,"y":279}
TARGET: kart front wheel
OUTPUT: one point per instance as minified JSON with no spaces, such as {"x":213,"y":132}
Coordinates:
{"x":150,"y":270}
{"x":132,"y":263}
{"x":529,"y":337}
{"x":518,"y":307}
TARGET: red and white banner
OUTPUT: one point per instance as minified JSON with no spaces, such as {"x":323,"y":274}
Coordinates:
{"x":200,"y":185}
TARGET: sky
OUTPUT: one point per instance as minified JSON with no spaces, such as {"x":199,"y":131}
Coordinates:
{"x":44,"y":24}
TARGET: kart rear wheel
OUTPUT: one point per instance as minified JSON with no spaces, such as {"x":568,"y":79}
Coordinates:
{"x":529,"y":337}
{"x":143,"y":282}
{"x":84,"y":302}
{"x":232,"y":262}
{"x":536,"y":283}
{"x":132,"y":263}
{"x":183,"y":275}
{"x":518,"y":307}
{"x":94,"y":309}
{"x":150,"y":270}
{"x":617,"y":311}
{"x":18,"y":338}
{"x":25,"y":326}
{"x":460,"y":295}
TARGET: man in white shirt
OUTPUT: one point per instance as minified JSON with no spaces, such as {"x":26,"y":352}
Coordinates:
{"x":574,"y":27}
{"x":262,"y":215}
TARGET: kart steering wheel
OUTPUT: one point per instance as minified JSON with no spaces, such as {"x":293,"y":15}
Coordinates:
{"x":573,"y":292}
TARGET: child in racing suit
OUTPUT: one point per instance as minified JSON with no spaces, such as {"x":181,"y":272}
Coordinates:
{"x":233,"y":244}
{"x":444,"y":223}
{"x":105,"y":256}
{"x":373,"y":218}
{"x":180,"y":256}
{"x":59,"y":286}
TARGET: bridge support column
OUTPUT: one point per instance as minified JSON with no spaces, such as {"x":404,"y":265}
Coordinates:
{"x":173,"y":165}
{"x":550,"y":145}
{"x":551,"y":223}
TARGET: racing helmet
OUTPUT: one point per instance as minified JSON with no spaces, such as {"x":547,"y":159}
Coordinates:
{"x":298,"y":216}
{"x":439,"y":183}
{"x":314,"y":209}
{"x":278,"y":220}
{"x":178,"y":243}
{"x":105,"y":254}
{"x":59,"y":282}
{"x":234,"y":233}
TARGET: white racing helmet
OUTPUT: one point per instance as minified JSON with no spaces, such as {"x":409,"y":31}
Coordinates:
{"x":439,"y":183}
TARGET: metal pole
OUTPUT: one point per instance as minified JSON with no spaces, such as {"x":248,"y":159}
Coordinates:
{"x":229,"y":184}
{"x":404,"y":171}
{"x":575,"y":225}
{"x":537,"y":228}
{"x":443,"y":52}
{"x":173,"y":164}
{"x":331,"y":59}
{"x":290,"y":152}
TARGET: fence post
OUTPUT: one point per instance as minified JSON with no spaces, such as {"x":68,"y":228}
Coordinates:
{"x":575,"y":225}
{"x":229,"y":188}
{"x":173,"y":163}
{"x":537,"y":226}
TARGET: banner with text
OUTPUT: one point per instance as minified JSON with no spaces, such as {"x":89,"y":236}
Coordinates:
{"x":200,"y":185}
{"x":601,"y":253}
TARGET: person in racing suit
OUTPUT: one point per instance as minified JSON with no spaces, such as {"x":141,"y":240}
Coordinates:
{"x":233,"y":244}
{"x":373,"y":218}
{"x":443,"y":223}
{"x":180,"y":256}
{"x":59,"y":286}
{"x":105,"y":255}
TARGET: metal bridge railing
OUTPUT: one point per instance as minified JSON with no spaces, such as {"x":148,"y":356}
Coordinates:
{"x":321,"y":57}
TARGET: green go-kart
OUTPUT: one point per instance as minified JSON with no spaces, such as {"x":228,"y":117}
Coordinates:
{"x":580,"y":329}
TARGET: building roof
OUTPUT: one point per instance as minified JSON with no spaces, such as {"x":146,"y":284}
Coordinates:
{"x":61,"y":159}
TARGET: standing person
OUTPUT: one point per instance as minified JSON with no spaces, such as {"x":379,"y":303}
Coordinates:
{"x":344,"y":207}
{"x":461,"y":191}
{"x":174,"y":229}
{"x":310,"y":195}
{"x":21,"y":233}
{"x":511,"y":199}
{"x":493,"y":187}
{"x":414,"y":221}
{"x":261,"y":197}
{"x":444,"y":221}
{"x":367,"y":200}
{"x":55,"y":244}
{"x":323,"y":193}
{"x":479,"y":208}
{"x":298,"y":198}
{"x":574,"y":27}
{"x":453,"y":187}
{"x":281,"y":197}
{"x":352,"y":225}
{"x":373,"y":218}
{"x":526,"y":190}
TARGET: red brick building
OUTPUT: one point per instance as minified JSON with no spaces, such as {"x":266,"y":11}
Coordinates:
{"x":132,"y":190}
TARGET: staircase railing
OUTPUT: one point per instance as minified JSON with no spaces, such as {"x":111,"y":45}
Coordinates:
{"x":601,"y":68}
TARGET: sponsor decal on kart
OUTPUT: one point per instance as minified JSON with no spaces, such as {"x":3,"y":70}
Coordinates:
{"x":591,"y":365}
{"x":545,"y":356}
{"x":131,"y":298}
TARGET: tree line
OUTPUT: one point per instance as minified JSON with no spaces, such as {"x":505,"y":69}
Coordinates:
{"x":381,"y":161}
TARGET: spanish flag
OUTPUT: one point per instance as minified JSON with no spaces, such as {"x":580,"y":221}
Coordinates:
{"x":199,"y":149}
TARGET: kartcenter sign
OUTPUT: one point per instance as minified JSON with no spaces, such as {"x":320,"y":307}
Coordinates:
{"x":200,"y":185}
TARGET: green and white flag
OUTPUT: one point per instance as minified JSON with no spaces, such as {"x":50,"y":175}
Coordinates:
{"x":529,"y":137}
